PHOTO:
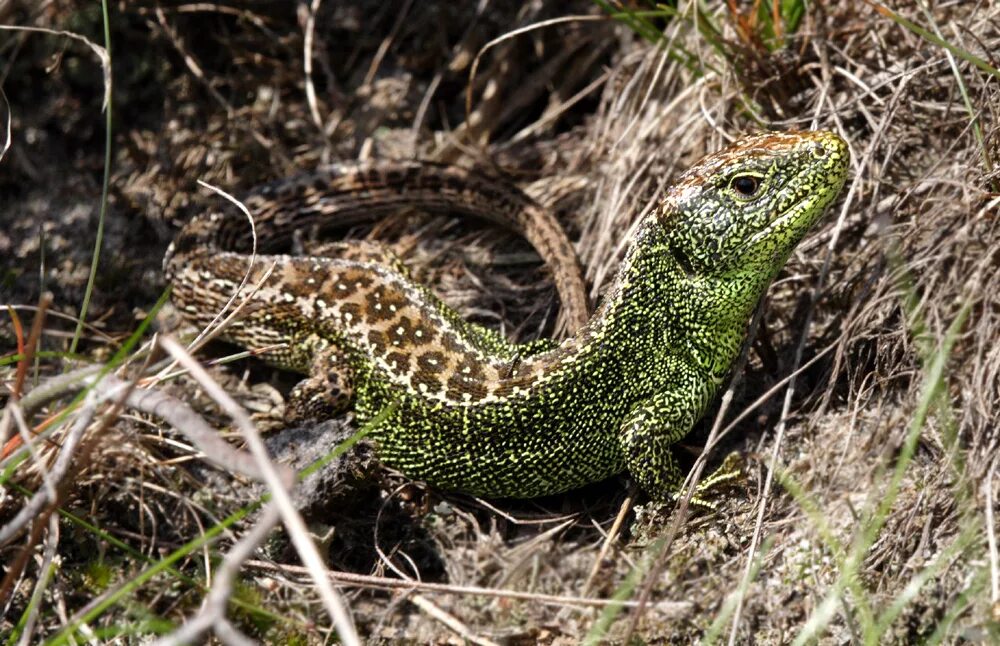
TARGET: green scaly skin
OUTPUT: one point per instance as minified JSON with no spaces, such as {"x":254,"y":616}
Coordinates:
{"x":636,"y":379}
{"x":494,"y":421}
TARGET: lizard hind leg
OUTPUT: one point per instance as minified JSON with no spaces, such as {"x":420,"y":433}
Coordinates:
{"x":326,"y":392}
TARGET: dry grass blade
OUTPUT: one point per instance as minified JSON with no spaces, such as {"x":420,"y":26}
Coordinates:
{"x":212,"y":615}
{"x":100,"y":52}
{"x":991,"y":534}
{"x":668,"y":609}
{"x":51,"y":477}
{"x":612,"y":536}
{"x":47,"y":570}
{"x":307,"y":55}
{"x":6,"y":109}
{"x":450,"y":621}
{"x":277,"y":484}
{"x":474,"y":68}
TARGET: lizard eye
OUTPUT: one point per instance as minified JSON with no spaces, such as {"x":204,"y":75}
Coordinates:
{"x":745,"y":186}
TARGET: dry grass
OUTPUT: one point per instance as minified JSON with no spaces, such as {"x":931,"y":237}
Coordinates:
{"x":879,"y":521}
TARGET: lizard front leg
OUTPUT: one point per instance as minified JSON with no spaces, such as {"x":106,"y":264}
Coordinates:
{"x":655,"y":425}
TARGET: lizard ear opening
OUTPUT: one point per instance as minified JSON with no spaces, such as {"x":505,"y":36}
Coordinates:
{"x":682,"y":259}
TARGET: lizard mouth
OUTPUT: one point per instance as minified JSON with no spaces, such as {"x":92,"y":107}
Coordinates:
{"x":787,"y":219}
{"x":799,"y":215}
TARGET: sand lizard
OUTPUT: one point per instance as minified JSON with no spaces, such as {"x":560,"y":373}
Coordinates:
{"x":477,"y":414}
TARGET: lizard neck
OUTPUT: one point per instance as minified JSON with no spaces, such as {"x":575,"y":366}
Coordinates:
{"x":657,"y":308}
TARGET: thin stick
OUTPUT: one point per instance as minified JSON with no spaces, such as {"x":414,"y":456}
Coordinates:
{"x":511,"y":34}
{"x":307,"y":64}
{"x":278,"y":487}
{"x":213,"y":610}
{"x":608,"y":540}
{"x":6,"y":141}
{"x":45,"y":577}
{"x":449,"y":620}
{"x":47,"y":494}
{"x":671,"y":609}
{"x":991,"y":537}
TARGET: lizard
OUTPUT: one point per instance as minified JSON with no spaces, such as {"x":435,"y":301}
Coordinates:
{"x":473,"y":414}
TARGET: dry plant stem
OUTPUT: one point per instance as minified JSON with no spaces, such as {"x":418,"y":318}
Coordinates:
{"x":450,"y":621}
{"x":383,"y":47}
{"x":216,"y":326}
{"x":45,"y":570}
{"x":548,"y":118}
{"x":750,"y":408}
{"x":153,"y":402}
{"x":188,"y":422}
{"x":101,"y":53}
{"x":608,"y":540}
{"x":16,"y":569}
{"x":511,"y":34}
{"x":64,"y":459}
{"x":56,"y":387}
{"x":31,"y":345}
{"x":522,"y":521}
{"x":668,"y":609}
{"x":174,"y":412}
{"x":42,"y":499}
{"x":6,"y":142}
{"x":307,"y":64}
{"x":991,"y":536}
{"x":5,"y":423}
{"x":210,"y":332}
{"x":211,"y":329}
{"x":196,"y":429}
{"x":98,"y":333}
{"x":278,"y":487}
{"x":779,"y":433}
{"x":212,"y":614}
{"x":378,"y":548}
{"x":27,"y":438}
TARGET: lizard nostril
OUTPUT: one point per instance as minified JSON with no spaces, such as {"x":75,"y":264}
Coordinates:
{"x":818,"y":150}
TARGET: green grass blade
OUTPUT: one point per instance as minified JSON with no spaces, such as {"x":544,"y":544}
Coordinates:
{"x":933,"y":38}
{"x":99,"y":239}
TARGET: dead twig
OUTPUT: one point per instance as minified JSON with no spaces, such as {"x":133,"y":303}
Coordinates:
{"x":669,"y":609}
{"x":47,"y":493}
{"x":212,"y":614}
{"x":611,"y":537}
{"x":277,"y":482}
{"x":449,"y":620}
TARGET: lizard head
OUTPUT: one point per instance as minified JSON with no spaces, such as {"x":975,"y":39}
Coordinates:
{"x":741,"y":211}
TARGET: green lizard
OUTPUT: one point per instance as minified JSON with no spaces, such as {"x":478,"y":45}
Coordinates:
{"x":476,"y":414}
